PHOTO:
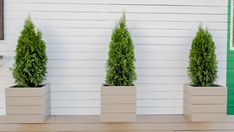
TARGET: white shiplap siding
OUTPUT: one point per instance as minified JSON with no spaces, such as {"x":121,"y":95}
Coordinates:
{"x":77,"y":34}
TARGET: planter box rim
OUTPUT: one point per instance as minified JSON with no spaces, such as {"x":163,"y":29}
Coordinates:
{"x":119,"y":86}
{"x":27,"y":91}
{"x":42,"y":86}
{"x":200,"y":87}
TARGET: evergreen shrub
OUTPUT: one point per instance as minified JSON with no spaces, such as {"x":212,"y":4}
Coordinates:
{"x":202,"y":59}
{"x":29,"y":69}
{"x":120,"y":63}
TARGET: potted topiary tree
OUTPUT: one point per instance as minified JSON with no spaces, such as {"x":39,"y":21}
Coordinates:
{"x":29,"y":101}
{"x":118,"y":95}
{"x":204,"y":101}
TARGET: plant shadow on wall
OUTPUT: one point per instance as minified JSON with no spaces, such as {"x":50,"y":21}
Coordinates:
{"x":118,"y":95}
{"x":204,"y":101}
{"x":29,"y":100}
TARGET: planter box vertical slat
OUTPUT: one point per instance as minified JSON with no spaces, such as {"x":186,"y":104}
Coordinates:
{"x":118,"y":104}
{"x":27,"y":105}
{"x":205,"y":104}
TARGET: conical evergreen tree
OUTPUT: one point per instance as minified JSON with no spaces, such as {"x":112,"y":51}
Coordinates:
{"x":120,"y":63}
{"x":203,"y":65}
{"x":30,"y":62}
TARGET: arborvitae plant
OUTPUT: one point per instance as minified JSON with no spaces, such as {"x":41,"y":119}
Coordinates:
{"x":203,"y":65}
{"x":120,"y":63}
{"x":30,"y":62}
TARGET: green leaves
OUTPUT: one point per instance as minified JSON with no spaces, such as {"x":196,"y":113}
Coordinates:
{"x":30,"y":62}
{"x":203,"y":65}
{"x":120,"y":63}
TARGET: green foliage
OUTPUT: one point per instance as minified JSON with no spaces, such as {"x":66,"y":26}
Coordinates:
{"x":120,"y":63}
{"x":203,"y":65}
{"x":30,"y":62}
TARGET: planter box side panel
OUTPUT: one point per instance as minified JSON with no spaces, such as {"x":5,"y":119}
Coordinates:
{"x":205,"y":106}
{"x":118,"y":104}
{"x":26,"y":92}
{"x":27,"y":108}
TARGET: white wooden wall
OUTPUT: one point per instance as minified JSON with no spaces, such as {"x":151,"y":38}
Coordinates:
{"x":77,"y":34}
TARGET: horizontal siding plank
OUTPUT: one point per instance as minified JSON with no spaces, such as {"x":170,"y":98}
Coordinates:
{"x":149,"y":2}
{"x":152,"y":71}
{"x":115,"y":16}
{"x":89,"y":40}
{"x":96,"y":95}
{"x":100,"y":80}
{"x":76,"y":32}
{"x":140,"y":64}
{"x":68,"y":79}
{"x":101,"y":72}
{"x":112,"y":8}
{"x":76,"y":103}
{"x":160,"y":110}
{"x":75,"y":111}
{"x":78,"y":24}
{"x":156,"y":48}
{"x":164,"y":9}
{"x":170,"y":2}
{"x":96,"y":111}
{"x":139,"y":56}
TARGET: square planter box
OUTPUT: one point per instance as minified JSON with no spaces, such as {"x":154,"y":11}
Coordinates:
{"x":205,"y":104}
{"x":27,"y":105}
{"x":118,"y":104}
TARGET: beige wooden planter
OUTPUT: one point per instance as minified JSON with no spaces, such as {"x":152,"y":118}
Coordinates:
{"x":118,"y":104}
{"x":205,"y":104}
{"x":27,"y":105}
